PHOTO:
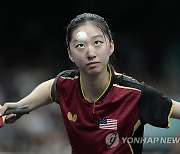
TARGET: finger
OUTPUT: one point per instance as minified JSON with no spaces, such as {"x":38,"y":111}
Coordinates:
{"x":10,"y":118}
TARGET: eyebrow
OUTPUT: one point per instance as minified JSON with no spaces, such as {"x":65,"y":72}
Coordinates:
{"x":97,"y":36}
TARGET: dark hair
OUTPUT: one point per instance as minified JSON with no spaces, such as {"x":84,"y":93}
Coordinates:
{"x":87,"y":18}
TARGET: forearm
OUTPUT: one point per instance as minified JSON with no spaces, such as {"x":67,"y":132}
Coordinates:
{"x":38,"y":97}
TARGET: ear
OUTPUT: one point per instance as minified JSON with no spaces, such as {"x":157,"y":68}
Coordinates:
{"x":111,"y":48}
{"x":70,"y":55}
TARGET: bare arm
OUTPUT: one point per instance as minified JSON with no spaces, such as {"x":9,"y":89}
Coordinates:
{"x":176,"y":110}
{"x":38,"y":97}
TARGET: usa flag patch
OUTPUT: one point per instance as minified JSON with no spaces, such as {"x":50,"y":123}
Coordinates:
{"x":105,"y":123}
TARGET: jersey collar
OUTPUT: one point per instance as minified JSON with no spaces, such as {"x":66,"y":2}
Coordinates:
{"x":107,"y":88}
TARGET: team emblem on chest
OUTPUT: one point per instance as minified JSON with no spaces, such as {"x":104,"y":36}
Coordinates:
{"x":72,"y":117}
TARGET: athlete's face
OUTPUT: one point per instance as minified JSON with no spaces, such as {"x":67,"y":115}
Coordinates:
{"x":92,"y":55}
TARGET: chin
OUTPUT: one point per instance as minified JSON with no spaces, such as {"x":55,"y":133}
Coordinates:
{"x":95,"y":71}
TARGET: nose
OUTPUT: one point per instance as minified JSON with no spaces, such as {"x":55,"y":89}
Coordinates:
{"x":91,"y":54}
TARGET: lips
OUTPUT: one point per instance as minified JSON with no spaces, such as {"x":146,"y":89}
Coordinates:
{"x":92,"y":64}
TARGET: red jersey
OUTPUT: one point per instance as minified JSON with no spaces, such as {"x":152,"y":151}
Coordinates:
{"x":121,"y":112}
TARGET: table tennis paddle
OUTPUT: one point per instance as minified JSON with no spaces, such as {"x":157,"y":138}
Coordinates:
{"x":19,"y":111}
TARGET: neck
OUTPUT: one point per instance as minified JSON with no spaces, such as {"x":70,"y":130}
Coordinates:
{"x":94,"y":87}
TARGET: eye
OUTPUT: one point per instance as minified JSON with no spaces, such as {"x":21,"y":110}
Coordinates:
{"x":80,"y":45}
{"x":98,"y":42}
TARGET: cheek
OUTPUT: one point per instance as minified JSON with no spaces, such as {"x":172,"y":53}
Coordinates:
{"x":104,"y":58}
{"x":105,"y":54}
{"x":78,"y":59}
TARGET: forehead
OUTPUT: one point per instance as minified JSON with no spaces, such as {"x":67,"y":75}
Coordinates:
{"x":90,"y":30}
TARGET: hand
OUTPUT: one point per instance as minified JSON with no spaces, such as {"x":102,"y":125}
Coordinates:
{"x":2,"y":109}
{"x":9,"y":119}
{"x":6,"y":106}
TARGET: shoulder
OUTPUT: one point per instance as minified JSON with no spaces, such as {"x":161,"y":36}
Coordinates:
{"x":66,"y":78}
{"x":127,"y":81}
{"x":63,"y":83}
{"x":68,"y":74}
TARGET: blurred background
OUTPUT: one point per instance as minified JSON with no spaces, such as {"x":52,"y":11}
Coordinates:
{"x":32,"y":50}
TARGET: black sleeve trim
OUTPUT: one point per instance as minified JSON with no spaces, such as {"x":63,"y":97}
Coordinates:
{"x":54,"y":88}
{"x":154,"y":107}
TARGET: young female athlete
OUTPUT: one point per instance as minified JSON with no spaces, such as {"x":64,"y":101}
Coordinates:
{"x":99,"y":106}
